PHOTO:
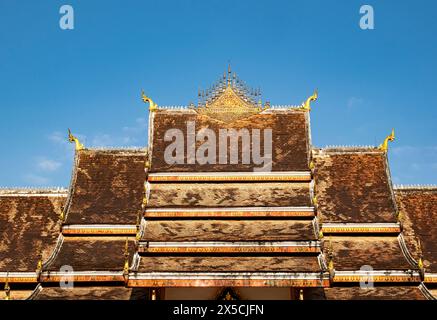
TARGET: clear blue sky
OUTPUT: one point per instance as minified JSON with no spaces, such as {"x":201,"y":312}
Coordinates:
{"x":89,"y":78}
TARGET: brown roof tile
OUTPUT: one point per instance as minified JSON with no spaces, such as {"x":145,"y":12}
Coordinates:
{"x":376,"y":293}
{"x":228,"y":230}
{"x":229,"y":264}
{"x":92,"y":254}
{"x":29,"y":227}
{"x":353,"y":187}
{"x":108,"y":187}
{"x":229,"y":194}
{"x":381,"y":253}
{"x":92,"y":293}
{"x":290,"y":151}
{"x":420,"y":212}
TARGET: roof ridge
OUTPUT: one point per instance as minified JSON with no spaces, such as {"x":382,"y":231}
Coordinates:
{"x":115,"y":148}
{"x":32,"y":190}
{"x":415,"y":186}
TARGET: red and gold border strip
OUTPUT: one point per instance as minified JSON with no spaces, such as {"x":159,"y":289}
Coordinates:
{"x":230,"y":176}
{"x":249,"y":279}
{"x":230,"y":247}
{"x":18,"y":277}
{"x":430,"y":277}
{"x":377,"y":276}
{"x":92,"y":276}
{"x":230,"y":212}
{"x":99,"y":229}
{"x":331,"y":228}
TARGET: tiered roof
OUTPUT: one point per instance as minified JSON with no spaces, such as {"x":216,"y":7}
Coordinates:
{"x":322,"y":219}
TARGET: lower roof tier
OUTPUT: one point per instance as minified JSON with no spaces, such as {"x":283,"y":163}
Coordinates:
{"x":29,"y":227}
{"x":92,"y":254}
{"x":91,"y":293}
{"x":355,"y":253}
{"x":375,"y":293}
{"x":419,"y":211}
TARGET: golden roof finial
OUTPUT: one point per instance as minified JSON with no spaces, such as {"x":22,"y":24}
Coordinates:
{"x":384,"y":146}
{"x":152,"y":105}
{"x":307,"y":104}
{"x":71,"y":139}
{"x":7,"y":288}
{"x":229,"y":75}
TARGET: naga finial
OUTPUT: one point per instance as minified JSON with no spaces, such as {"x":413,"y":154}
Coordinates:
{"x":384,"y":146}
{"x":39,"y":265}
{"x":71,"y":138}
{"x":126,"y":257}
{"x":307,"y":104}
{"x":152,"y":105}
{"x":7,"y":288}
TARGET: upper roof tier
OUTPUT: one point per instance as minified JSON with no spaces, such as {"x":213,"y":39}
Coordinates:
{"x":107,"y":187}
{"x":230,"y":129}
{"x":290,"y":143}
{"x":353,"y":186}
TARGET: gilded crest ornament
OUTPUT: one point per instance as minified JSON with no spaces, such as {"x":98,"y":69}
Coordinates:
{"x":229,"y":100}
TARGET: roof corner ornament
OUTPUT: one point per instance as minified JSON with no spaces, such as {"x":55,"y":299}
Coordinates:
{"x":384,"y":146}
{"x":331,"y":268}
{"x":152,"y":105}
{"x":71,"y":139}
{"x":126,"y":258}
{"x":39,"y":267}
{"x":306,"y":106}
{"x":7,"y":288}
{"x":420,"y":262}
{"x":138,"y":228}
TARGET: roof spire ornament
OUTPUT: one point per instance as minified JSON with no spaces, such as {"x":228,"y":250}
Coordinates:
{"x":384,"y":146}
{"x":152,"y":105}
{"x":73,"y":139}
{"x":229,"y":75}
